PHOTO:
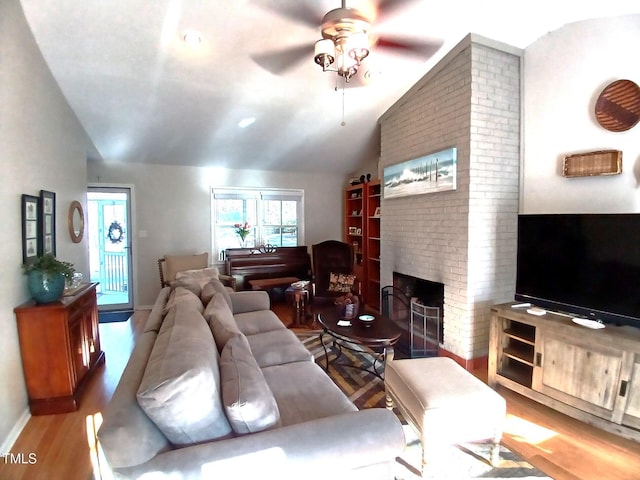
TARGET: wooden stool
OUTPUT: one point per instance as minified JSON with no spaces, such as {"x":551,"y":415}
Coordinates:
{"x":298,"y":297}
{"x":444,"y":403}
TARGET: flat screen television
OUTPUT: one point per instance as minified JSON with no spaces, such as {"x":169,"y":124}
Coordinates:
{"x":583,"y":265}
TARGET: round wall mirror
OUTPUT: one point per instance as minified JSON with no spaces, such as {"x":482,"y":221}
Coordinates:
{"x":76,"y":221}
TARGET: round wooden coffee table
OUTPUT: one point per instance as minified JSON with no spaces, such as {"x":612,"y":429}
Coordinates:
{"x":379,"y":338}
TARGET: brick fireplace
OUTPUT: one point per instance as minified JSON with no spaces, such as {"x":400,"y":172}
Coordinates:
{"x":464,"y":239}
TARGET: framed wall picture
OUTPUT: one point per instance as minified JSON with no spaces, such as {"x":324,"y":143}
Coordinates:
{"x":435,"y":172}
{"x":47,"y":222}
{"x":30,"y":228}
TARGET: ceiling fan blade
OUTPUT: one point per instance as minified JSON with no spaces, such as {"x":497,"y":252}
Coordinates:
{"x":386,"y":8}
{"x":299,"y":11}
{"x":280,"y":61}
{"x":422,"y":48}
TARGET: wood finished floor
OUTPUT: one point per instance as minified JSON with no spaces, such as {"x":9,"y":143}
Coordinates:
{"x":562,"y":447}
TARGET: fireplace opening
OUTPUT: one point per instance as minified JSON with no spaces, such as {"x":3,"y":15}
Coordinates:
{"x":416,"y":306}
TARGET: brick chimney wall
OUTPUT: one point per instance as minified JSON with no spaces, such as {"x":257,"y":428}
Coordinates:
{"x":464,"y":238}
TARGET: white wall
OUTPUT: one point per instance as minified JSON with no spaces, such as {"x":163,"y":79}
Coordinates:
{"x":42,"y":146}
{"x":172,"y":205}
{"x":564,"y":72}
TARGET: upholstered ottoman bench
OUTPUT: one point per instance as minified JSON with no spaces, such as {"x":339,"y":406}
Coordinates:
{"x":445,"y":404}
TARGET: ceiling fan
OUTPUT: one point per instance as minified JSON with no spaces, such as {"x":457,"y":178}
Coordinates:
{"x":347,"y":38}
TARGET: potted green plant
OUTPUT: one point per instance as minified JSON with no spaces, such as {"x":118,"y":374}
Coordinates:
{"x":46,"y":277}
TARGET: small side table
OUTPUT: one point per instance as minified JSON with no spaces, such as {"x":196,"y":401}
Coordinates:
{"x":298,"y":297}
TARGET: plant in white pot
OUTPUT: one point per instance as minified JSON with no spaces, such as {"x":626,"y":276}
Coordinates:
{"x":47,"y":277}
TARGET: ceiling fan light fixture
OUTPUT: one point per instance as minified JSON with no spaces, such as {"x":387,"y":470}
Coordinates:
{"x":347,"y":66}
{"x":358,"y":46}
{"x":324,"y":53}
{"x":345,"y":41}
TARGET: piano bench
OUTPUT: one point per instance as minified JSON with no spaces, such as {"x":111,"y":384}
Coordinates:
{"x":269,"y":284}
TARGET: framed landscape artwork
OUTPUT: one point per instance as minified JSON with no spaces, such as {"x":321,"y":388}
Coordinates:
{"x":435,"y":172}
{"x":30,"y":229}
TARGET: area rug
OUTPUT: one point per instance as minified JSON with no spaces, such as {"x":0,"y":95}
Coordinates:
{"x":367,"y":391}
{"x":110,"y":317}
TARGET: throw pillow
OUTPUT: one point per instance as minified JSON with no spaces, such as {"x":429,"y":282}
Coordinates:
{"x":248,"y":400}
{"x":220,"y":288}
{"x":180,"y":389}
{"x":208,"y":292}
{"x":202,"y":276}
{"x":180,"y":263}
{"x":189,"y":283}
{"x":211,"y":289}
{"x":221,"y":322}
{"x":183,"y":295}
{"x":341,"y":282}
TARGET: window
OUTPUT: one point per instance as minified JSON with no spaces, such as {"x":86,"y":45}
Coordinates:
{"x":274,"y":216}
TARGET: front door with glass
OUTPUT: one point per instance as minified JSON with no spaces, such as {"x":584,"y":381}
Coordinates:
{"x":110,"y":246}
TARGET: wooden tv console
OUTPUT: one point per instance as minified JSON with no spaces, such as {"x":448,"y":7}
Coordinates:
{"x":591,"y":375}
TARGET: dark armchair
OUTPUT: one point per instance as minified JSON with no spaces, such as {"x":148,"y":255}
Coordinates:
{"x":332,"y":265}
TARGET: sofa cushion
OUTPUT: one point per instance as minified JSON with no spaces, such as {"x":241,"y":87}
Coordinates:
{"x":221,"y":322}
{"x":184,"y":296}
{"x":127,"y":435}
{"x":180,"y":389}
{"x":277,"y":347}
{"x":180,"y":263}
{"x":305,"y":392}
{"x":259,"y":321}
{"x":249,"y":301}
{"x":154,"y":321}
{"x":247,"y":399}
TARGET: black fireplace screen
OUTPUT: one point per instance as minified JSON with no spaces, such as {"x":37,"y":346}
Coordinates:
{"x":419,"y":321}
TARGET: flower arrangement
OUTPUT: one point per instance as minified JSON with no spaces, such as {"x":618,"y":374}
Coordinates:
{"x":242,"y":230}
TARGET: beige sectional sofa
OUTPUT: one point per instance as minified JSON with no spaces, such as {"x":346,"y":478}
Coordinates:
{"x":217,"y":387}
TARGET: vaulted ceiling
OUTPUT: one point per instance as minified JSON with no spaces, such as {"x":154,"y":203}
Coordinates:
{"x":143,"y":95}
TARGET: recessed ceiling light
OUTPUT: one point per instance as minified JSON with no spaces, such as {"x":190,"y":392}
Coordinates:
{"x":245,"y":122}
{"x":192,"y":38}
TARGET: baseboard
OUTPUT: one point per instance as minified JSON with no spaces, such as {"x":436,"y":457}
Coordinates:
{"x":15,"y":432}
{"x":470,"y":364}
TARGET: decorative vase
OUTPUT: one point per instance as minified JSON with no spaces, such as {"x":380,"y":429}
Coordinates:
{"x":45,"y":287}
{"x":243,"y":241}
